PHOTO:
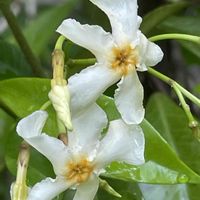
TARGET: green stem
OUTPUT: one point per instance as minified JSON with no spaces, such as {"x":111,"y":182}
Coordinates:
{"x":59,"y":42}
{"x":84,"y":62}
{"x":173,"y":83}
{"x":45,"y":105}
{"x":184,"y":105}
{"x":28,"y":53}
{"x":176,"y":36}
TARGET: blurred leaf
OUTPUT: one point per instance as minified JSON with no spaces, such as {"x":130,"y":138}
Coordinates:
{"x":187,"y":25}
{"x":12,"y":62}
{"x":162,"y":164}
{"x":5,"y":125}
{"x":39,"y":32}
{"x":155,"y":17}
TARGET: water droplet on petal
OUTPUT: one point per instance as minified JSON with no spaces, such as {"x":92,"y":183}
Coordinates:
{"x":182,"y":178}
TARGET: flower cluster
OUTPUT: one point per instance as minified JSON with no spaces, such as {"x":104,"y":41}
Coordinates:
{"x":120,"y":54}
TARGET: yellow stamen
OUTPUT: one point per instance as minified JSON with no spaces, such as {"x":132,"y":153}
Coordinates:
{"x":80,"y":171}
{"x":125,"y":59}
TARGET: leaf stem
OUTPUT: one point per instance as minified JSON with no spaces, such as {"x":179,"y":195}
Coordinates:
{"x":173,"y":84}
{"x":27,"y":51}
{"x":176,"y":36}
{"x":84,"y":62}
{"x":184,"y":105}
{"x":59,"y":42}
{"x":45,"y":105}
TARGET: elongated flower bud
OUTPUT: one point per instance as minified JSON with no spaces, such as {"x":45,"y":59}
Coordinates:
{"x":19,"y":189}
{"x":59,"y":94}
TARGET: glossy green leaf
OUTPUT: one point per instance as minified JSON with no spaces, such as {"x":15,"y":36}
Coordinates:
{"x":173,"y":125}
{"x":164,"y":192}
{"x":162,"y":164}
{"x":171,"y":121}
{"x":155,"y":17}
{"x":22,"y":96}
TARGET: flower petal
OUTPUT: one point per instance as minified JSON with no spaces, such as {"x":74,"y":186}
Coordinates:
{"x":123,"y":17}
{"x":89,"y":84}
{"x":122,"y":143}
{"x":30,"y":129}
{"x":87,"y":190}
{"x":32,"y":125}
{"x":87,"y":129}
{"x":129,"y":99}
{"x":48,"y":189}
{"x":149,"y":52}
{"x":93,"y":38}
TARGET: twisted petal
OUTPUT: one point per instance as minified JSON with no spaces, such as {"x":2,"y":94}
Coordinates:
{"x":48,"y":189}
{"x":60,"y":98}
{"x":87,"y":190}
{"x":129,"y":99}
{"x":88,"y":126}
{"x":150,"y":53}
{"x":123,"y":17}
{"x":30,"y":129}
{"x":122,"y":143}
{"x":93,"y":38}
{"x":89,"y":84}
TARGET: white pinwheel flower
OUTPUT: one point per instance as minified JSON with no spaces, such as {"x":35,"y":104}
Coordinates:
{"x":79,"y":163}
{"x":119,"y":55}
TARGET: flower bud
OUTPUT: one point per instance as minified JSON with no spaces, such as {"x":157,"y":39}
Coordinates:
{"x":59,"y":94}
{"x":19,"y":189}
{"x":60,"y":98}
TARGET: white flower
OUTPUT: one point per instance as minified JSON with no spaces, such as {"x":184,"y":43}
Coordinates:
{"x":79,"y":163}
{"x":118,"y":56}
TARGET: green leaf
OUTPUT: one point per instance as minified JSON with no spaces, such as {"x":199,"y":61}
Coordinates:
{"x":12,"y":62}
{"x":164,"y":192}
{"x":40,"y":31}
{"x":162,"y":164}
{"x":155,"y":17}
{"x":173,"y":125}
{"x":128,"y":191}
{"x":29,"y":94}
{"x":5,"y":123}
{"x":186,"y":25}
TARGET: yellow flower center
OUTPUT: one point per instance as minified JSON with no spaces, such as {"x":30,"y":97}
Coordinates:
{"x":80,"y":171}
{"x":125,"y":59}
